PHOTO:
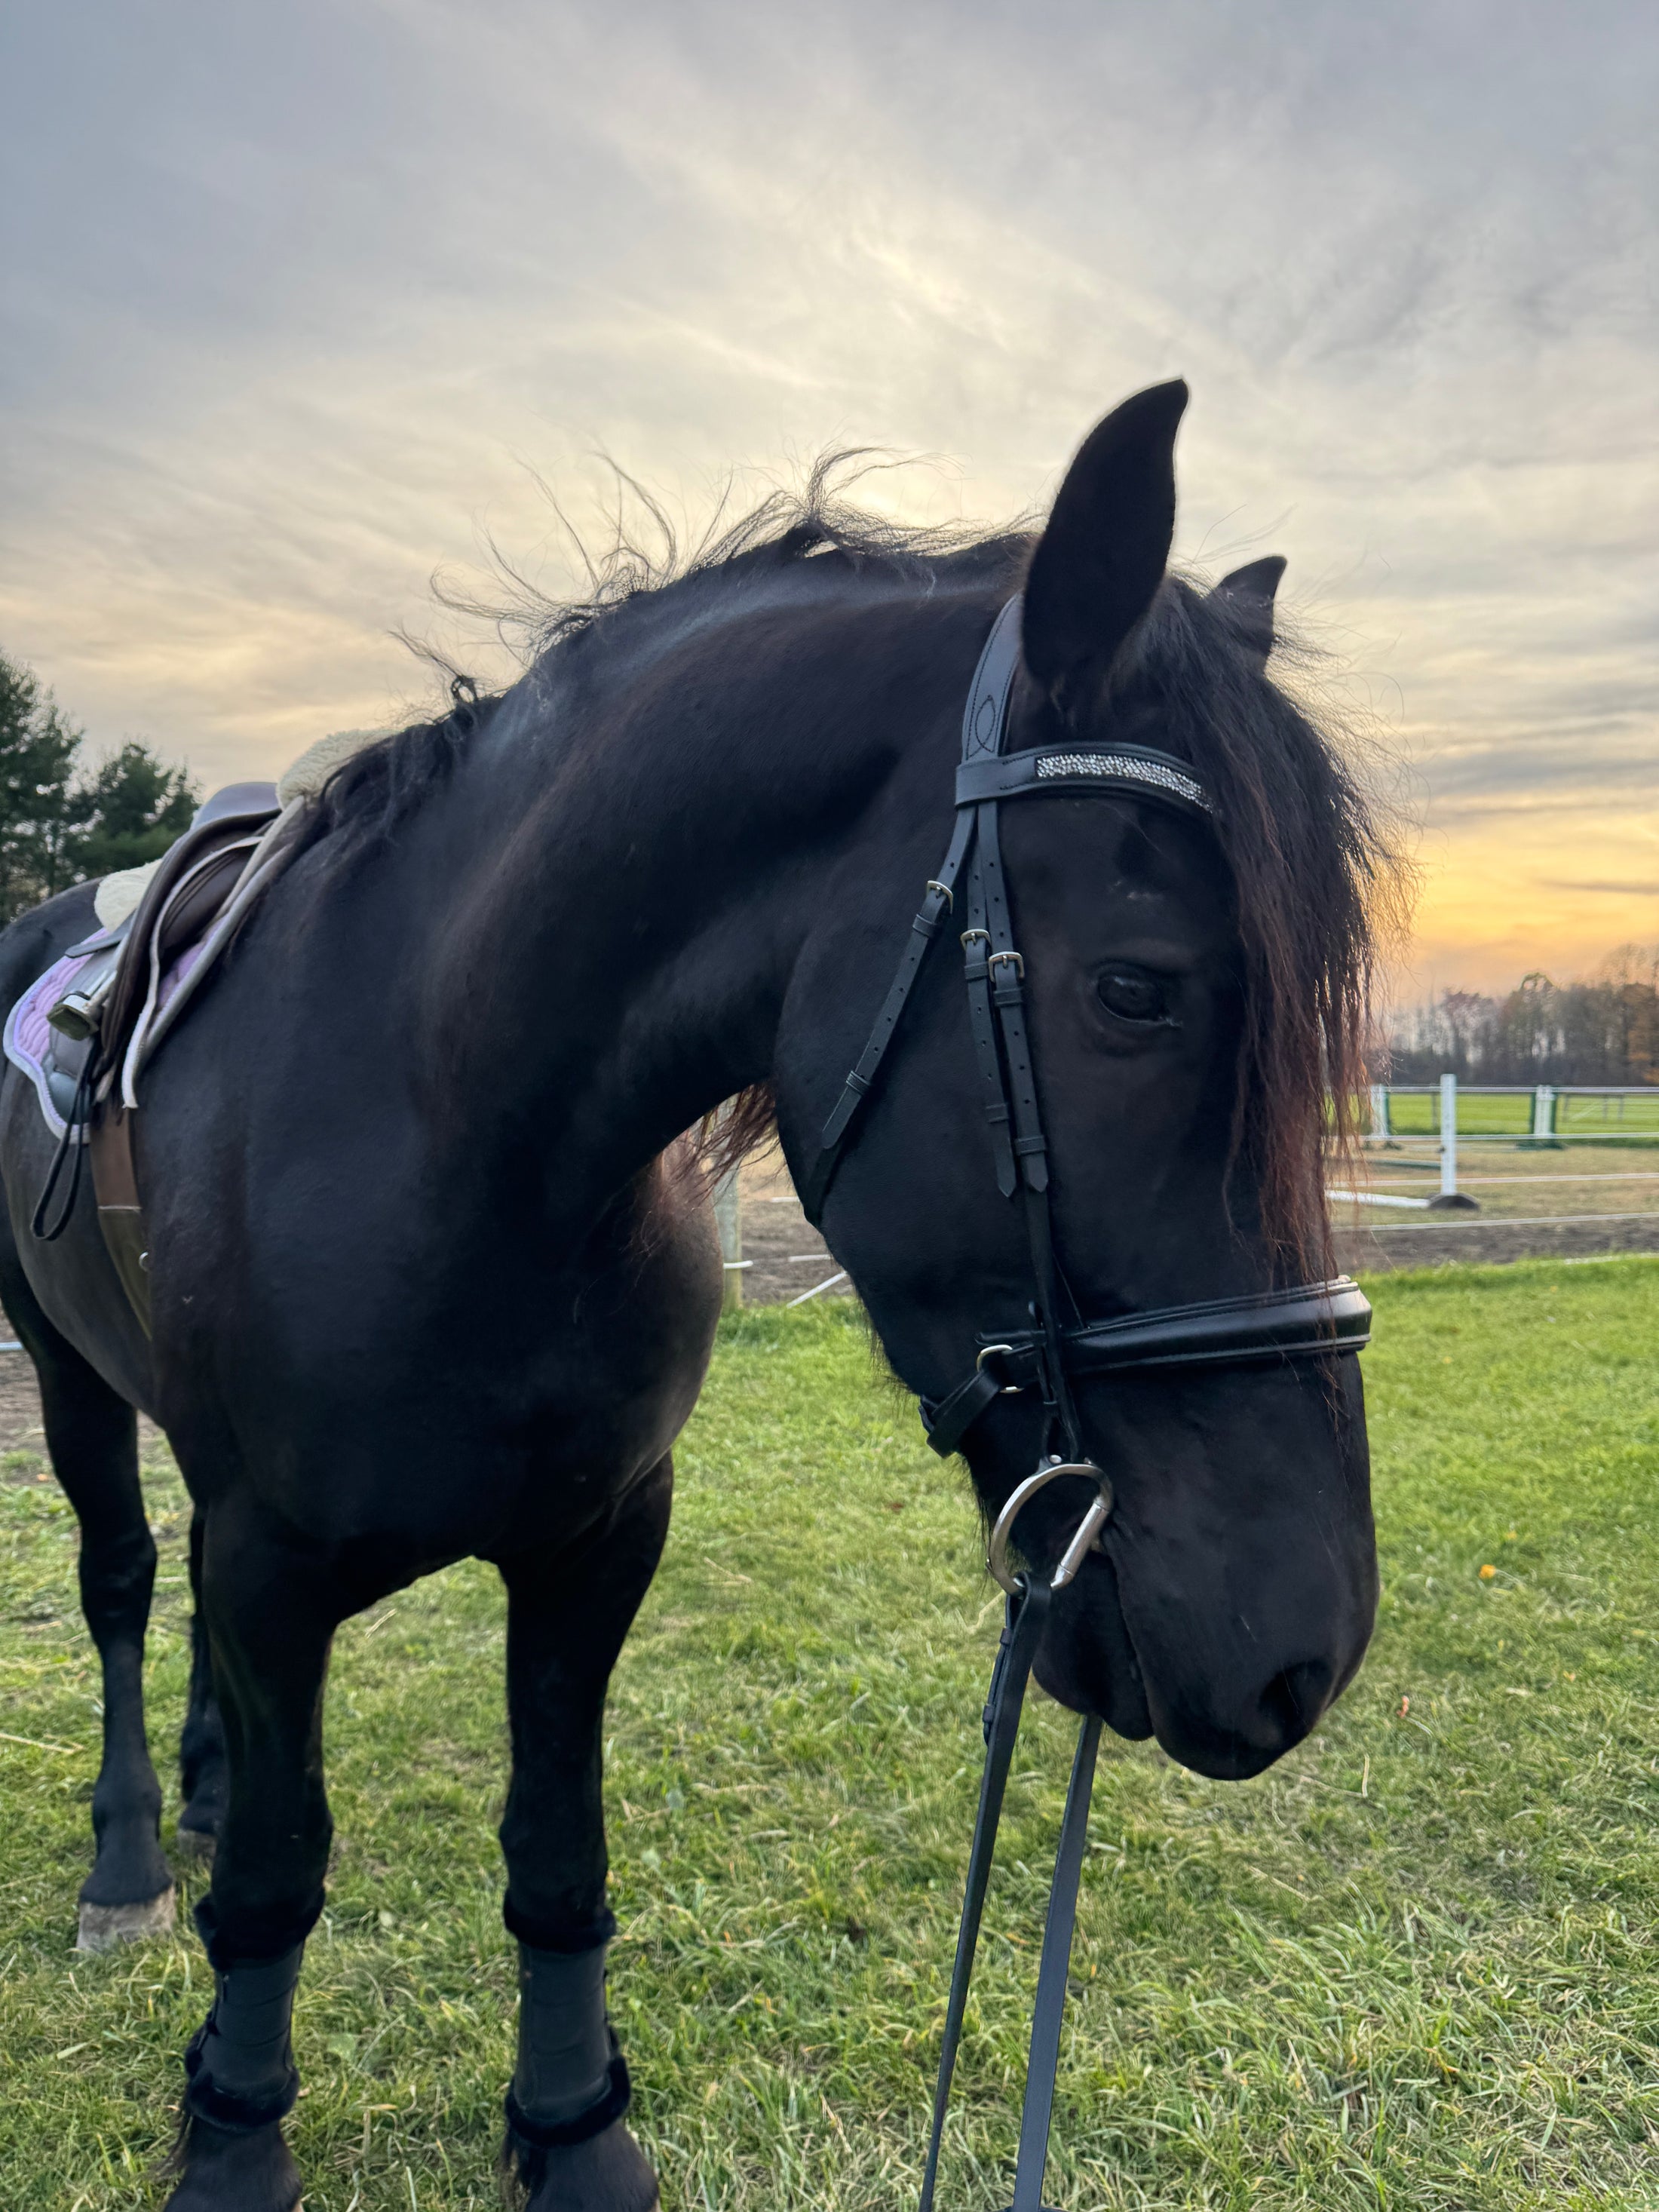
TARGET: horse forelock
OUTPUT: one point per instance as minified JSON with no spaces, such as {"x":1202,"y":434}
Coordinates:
{"x":1318,"y":886}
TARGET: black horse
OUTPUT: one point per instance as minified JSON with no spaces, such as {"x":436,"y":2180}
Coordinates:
{"x":433,"y":1273}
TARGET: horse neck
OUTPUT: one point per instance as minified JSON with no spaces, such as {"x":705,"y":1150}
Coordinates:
{"x":646,"y":858}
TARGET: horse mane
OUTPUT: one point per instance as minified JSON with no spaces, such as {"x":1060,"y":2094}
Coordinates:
{"x":1318,"y":880}
{"x":645,"y":558}
{"x":369,"y":796}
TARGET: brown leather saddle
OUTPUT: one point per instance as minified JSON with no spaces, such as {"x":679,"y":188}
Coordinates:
{"x":142,"y":974}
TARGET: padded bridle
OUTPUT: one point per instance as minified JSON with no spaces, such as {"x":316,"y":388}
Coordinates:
{"x":1305,"y":1321}
{"x":1308,"y":1320}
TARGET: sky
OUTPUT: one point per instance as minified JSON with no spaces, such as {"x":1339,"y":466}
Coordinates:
{"x":307,"y":305}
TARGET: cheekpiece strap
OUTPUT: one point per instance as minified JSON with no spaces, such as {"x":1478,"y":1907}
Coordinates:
{"x":986,"y":776}
{"x":982,"y":723}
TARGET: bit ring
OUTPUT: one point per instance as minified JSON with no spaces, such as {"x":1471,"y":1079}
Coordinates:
{"x":1087,"y":1529}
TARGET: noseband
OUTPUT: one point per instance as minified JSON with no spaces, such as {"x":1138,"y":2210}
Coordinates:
{"x":1309,"y":1319}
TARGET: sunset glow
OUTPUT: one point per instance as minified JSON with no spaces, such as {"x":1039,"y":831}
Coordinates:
{"x":281,"y":350}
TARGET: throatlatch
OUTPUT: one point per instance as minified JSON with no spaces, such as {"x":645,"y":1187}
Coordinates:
{"x":1052,"y":1343}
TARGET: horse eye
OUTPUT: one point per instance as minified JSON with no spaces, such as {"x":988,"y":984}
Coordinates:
{"x":1133,"y":995}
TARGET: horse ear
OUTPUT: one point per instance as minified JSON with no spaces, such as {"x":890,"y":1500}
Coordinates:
{"x":1249,"y":596}
{"x":1098,"y":564}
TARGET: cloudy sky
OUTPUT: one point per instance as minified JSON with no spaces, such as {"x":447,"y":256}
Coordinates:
{"x":301,"y":303}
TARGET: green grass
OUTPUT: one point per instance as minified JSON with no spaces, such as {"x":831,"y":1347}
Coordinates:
{"x":1509,"y":1114}
{"x":1602,"y":1117}
{"x":1412,"y":1114}
{"x":1415,"y":1965}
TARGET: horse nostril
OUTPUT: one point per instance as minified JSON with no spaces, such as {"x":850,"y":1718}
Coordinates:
{"x":1295,"y":1699}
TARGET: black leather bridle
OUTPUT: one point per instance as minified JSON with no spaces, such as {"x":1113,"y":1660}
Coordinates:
{"x":1309,"y":1319}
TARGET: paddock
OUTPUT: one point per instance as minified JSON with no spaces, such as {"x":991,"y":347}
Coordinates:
{"x":1414,"y":1964}
{"x":1586,"y":1184}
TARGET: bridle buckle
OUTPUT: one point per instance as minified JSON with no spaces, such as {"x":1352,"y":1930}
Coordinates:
{"x":1009,"y":1389}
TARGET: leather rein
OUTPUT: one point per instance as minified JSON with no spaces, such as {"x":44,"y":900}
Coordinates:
{"x":1308,"y":1320}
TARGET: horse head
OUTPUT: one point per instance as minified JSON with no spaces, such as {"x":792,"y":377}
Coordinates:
{"x":1190,"y":961}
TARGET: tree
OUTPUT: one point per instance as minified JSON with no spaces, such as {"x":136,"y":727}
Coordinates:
{"x":38,"y":753}
{"x":58,"y":823}
{"x":1604,"y":1030}
{"x":131,"y":808}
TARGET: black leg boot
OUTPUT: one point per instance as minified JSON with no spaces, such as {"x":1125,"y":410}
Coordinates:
{"x":566,"y":2148}
{"x":242,"y":2082}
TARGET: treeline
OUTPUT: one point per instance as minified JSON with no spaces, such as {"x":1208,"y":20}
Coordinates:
{"x":64,"y":818}
{"x":1604,"y":1030}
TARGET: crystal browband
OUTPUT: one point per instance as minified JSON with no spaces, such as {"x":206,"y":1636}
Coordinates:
{"x":1122,"y":766}
{"x":1155,"y":775}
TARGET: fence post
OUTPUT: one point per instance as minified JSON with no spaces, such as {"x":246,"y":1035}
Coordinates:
{"x":1543,"y":1113}
{"x":1380,"y":1111}
{"x":728,"y":1217}
{"x":1449,"y":1195}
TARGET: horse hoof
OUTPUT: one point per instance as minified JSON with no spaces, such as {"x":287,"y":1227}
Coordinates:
{"x":104,"y":1926}
{"x":216,"y":2169}
{"x":198,"y":1845}
{"x":611,"y":2173}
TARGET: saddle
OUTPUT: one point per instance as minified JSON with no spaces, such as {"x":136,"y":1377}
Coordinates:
{"x":113,"y":997}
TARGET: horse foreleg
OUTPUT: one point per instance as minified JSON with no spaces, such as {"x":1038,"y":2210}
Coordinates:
{"x":92,"y":1435}
{"x":202,"y":1778}
{"x":567,"y":2147}
{"x":270,"y":1607}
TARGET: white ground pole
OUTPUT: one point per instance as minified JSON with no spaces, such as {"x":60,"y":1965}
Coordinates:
{"x":1449,"y":1136}
{"x":1380,"y":1111}
{"x":1543,"y":1110}
{"x":1377,"y":1198}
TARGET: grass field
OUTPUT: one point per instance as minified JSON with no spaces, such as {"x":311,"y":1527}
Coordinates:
{"x":1578,"y":1115}
{"x":1415,"y":1965}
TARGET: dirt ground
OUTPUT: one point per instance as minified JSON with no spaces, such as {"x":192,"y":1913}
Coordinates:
{"x":20,"y":1407}
{"x":786,"y":1257}
{"x":1534,"y":1202}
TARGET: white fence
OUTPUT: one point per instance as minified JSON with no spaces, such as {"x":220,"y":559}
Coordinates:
{"x":1434,"y":1116}
{"x":1539,"y":1113}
